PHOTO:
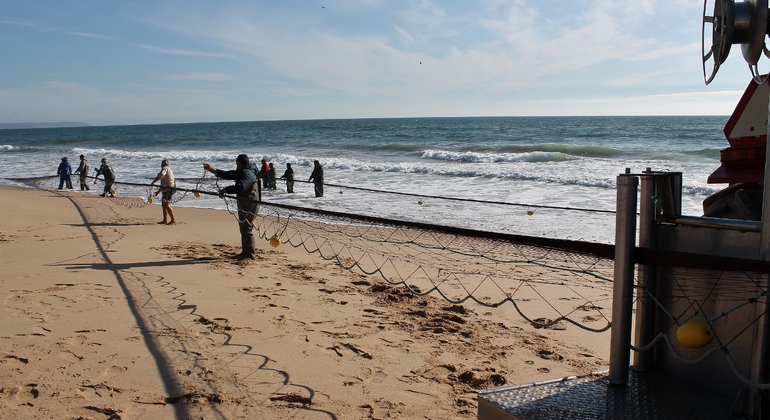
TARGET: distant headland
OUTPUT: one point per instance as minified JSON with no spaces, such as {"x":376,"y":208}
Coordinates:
{"x":42,"y":125}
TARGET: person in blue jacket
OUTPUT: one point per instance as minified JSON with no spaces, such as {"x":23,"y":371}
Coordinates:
{"x":64,"y":172}
{"x":246,"y":190}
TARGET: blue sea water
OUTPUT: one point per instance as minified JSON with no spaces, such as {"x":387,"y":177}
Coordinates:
{"x":543,"y":166}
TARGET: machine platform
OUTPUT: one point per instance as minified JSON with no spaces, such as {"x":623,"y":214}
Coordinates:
{"x":649,"y":395}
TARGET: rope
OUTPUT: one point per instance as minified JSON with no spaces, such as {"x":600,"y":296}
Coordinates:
{"x":467,"y":200}
{"x":374,"y":244}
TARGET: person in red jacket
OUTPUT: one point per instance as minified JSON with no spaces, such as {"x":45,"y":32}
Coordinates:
{"x":263,"y":173}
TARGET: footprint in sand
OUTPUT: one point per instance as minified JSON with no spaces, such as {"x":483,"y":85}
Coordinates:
{"x":112,"y":371}
{"x":24,"y":393}
{"x":549,"y":355}
{"x":367,"y":375}
{"x":11,"y":358}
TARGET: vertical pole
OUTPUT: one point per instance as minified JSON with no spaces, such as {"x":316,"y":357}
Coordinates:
{"x":645,"y":305}
{"x":622,"y":292}
{"x":760,"y":365}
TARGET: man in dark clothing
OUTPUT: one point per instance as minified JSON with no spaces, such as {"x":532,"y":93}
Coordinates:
{"x":246,"y":189}
{"x":271,"y":177}
{"x":109,"y":178}
{"x":289,"y":177}
{"x":318,"y":178}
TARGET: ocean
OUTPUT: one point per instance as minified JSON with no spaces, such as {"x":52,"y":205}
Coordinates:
{"x":538,"y":176}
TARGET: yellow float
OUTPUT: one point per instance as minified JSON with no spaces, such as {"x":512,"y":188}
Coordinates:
{"x":275,"y":241}
{"x":149,"y":200}
{"x":197,"y":194}
{"x":695,"y":333}
{"x":419,"y":202}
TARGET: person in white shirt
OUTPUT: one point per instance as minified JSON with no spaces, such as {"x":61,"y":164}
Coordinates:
{"x":166,"y":178}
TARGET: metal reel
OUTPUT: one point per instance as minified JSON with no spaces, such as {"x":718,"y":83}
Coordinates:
{"x":751,"y":18}
{"x":732,"y":23}
{"x":722,"y":23}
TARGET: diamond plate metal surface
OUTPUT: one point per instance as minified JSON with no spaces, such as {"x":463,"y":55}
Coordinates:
{"x":648,"y":395}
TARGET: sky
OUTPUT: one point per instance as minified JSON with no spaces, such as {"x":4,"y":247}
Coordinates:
{"x":105,"y":62}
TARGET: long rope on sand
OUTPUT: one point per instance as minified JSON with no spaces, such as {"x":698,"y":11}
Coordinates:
{"x":459,"y":265}
{"x":550,"y":283}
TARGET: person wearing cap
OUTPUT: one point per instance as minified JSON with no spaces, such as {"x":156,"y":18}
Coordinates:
{"x":64,"y":171}
{"x":166,"y":178}
{"x":109,"y":178}
{"x":82,"y":172}
{"x":246,"y":189}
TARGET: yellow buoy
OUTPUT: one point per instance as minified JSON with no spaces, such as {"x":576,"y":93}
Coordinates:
{"x":197,"y":194}
{"x":113,"y":192}
{"x":149,"y":200}
{"x":694,"y":333}
{"x":419,"y":202}
{"x":275,"y":241}
{"x":340,"y":192}
{"x":530,"y":212}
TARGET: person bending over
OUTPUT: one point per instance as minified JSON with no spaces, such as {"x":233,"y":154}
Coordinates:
{"x":109,"y":178}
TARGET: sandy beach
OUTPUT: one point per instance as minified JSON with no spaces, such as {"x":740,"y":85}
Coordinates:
{"x":108,"y":315}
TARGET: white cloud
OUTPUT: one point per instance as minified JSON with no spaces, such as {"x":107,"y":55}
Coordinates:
{"x":189,"y":53}
{"x":208,"y":77}
{"x":383,"y":58}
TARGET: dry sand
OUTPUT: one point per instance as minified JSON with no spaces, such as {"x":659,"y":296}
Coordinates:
{"x":108,"y":315}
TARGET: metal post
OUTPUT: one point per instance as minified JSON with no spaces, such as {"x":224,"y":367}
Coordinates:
{"x":622,"y":292}
{"x":760,"y":365}
{"x":647,"y":276}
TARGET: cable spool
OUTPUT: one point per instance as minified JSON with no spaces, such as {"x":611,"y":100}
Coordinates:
{"x":752,"y":49}
{"x":743,"y":23}
{"x":722,"y":23}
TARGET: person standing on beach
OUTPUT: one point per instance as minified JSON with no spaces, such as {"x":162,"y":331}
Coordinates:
{"x":317,"y":176}
{"x":246,"y":188}
{"x":82,"y":172}
{"x":166,"y":178}
{"x":263,"y":173}
{"x":64,"y":171}
{"x":289,"y":177}
{"x":271,"y":177}
{"x":109,"y":178}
